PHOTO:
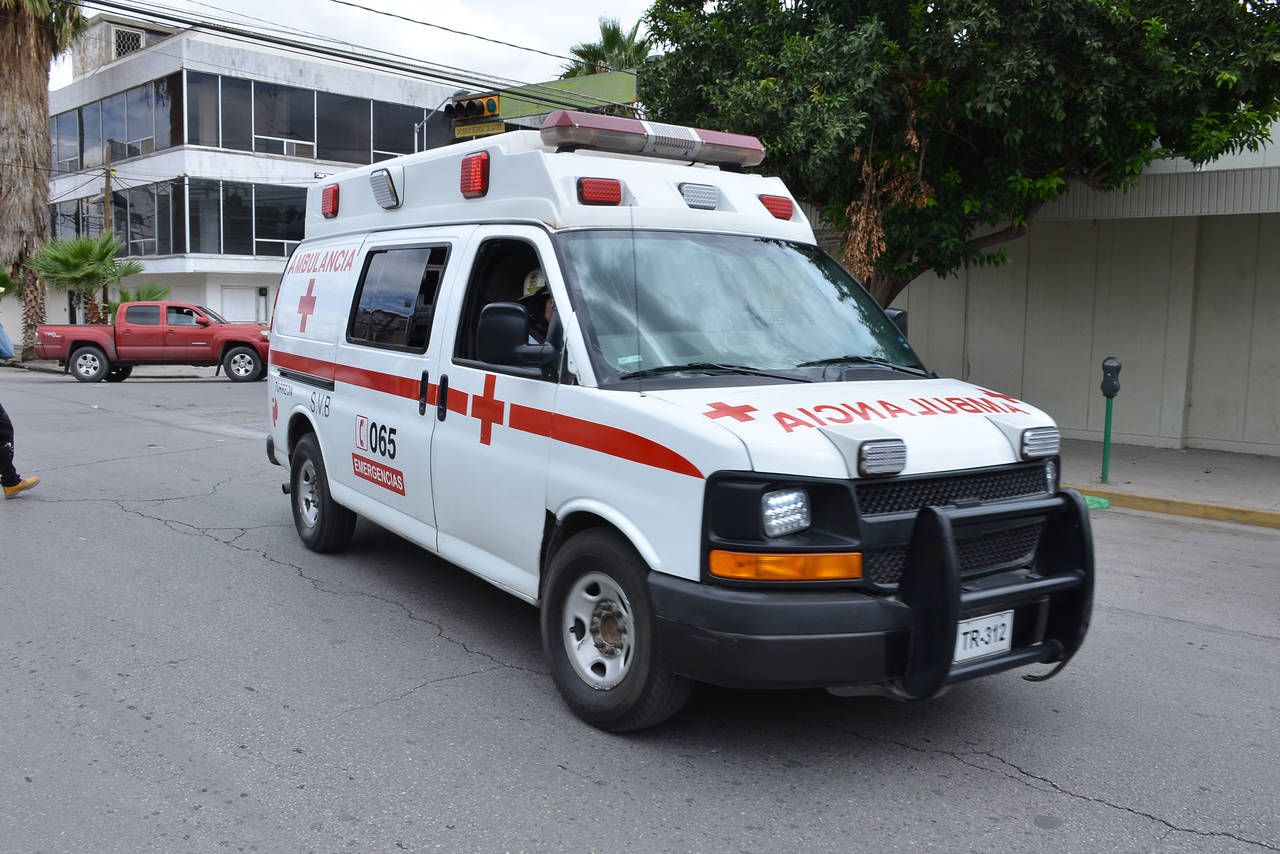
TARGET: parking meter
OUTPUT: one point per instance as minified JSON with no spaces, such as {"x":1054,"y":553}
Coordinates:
{"x":1110,"y":377}
{"x":1110,"y":388}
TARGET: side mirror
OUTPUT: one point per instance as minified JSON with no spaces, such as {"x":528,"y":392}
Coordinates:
{"x":202,"y":321}
{"x":503,"y":338}
{"x":899,"y":318}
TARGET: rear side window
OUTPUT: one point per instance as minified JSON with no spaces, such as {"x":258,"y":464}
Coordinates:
{"x":143,"y":315}
{"x":396,"y":299}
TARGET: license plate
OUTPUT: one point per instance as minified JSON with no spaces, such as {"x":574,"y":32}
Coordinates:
{"x":983,"y":636}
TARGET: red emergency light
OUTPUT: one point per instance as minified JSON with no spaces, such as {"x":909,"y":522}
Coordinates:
{"x":599,"y":191}
{"x":329,"y":201}
{"x":779,"y":206}
{"x":566,"y":128}
{"x":475,"y":175}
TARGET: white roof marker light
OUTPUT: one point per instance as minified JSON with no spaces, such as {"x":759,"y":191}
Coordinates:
{"x":566,"y":128}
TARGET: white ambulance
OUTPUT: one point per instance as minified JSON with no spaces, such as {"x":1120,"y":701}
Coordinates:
{"x":606,"y":370}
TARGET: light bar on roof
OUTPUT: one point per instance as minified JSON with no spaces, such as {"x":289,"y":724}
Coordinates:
{"x":633,"y":136}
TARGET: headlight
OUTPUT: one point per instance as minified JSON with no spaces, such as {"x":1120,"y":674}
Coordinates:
{"x":1040,"y":442}
{"x":785,"y":512}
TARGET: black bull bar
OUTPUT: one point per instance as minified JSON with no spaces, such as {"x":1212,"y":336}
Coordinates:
{"x":1059,"y":592}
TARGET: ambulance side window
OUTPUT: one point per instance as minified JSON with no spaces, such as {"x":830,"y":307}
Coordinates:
{"x":396,"y":299}
{"x":501,"y":268}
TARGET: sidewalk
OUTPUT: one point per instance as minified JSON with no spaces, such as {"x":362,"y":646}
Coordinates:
{"x":1202,"y":484}
{"x":142,"y":372}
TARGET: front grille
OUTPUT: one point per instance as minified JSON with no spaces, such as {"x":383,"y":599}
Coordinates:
{"x":977,"y":554}
{"x":909,"y":495}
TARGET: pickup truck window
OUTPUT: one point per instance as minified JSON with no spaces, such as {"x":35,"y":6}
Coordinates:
{"x":658,"y":300}
{"x":142,"y":315}
{"x":180,"y":315}
{"x":396,"y":298}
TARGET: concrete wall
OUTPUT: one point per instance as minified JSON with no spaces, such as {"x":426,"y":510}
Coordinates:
{"x":1190,"y":305}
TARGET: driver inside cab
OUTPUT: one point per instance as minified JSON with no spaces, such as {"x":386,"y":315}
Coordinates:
{"x":539,"y":304}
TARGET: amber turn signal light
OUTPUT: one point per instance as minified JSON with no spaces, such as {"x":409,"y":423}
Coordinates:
{"x":741,"y":566}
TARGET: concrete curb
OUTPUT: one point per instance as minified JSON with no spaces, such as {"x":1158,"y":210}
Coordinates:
{"x":49,"y":368}
{"x":1194,"y":509}
{"x":26,"y":366}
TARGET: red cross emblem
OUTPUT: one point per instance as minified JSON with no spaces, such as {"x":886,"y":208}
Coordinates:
{"x":275,"y":411}
{"x":307,"y":304}
{"x":737,"y":413}
{"x":488,"y":409}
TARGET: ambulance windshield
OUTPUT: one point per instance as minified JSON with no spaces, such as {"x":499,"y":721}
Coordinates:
{"x":651,"y":302}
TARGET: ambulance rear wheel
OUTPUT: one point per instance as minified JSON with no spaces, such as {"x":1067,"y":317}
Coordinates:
{"x":323,"y":524}
{"x":598,"y":630}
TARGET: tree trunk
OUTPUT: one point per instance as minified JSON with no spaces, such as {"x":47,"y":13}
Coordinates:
{"x":26,"y":48}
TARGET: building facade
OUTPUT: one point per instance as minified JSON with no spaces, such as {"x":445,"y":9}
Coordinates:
{"x":197,"y":149}
{"x":1178,"y":278}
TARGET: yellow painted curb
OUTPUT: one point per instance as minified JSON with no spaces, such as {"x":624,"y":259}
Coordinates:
{"x":1195,"y":509}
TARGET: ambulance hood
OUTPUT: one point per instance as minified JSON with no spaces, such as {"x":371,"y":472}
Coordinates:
{"x":814,"y":429}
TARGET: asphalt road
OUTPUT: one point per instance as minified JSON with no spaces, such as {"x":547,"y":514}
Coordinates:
{"x":179,"y":674}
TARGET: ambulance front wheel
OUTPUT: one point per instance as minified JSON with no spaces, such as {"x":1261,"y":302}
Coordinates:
{"x":323,"y":524}
{"x":598,"y":630}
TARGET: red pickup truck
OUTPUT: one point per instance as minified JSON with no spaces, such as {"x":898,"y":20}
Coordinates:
{"x":156,"y":333}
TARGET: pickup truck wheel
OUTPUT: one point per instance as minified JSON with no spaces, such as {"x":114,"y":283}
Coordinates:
{"x":598,"y":630}
{"x":323,"y":524}
{"x":242,"y":364}
{"x":119,"y":375}
{"x":89,"y":364}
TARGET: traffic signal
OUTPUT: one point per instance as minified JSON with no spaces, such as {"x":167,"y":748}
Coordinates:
{"x":478,"y":107}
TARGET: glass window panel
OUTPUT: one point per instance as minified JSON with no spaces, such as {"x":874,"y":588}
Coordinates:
{"x":139,"y":120}
{"x":91,"y":134}
{"x":142,"y":221}
{"x":164,"y":221}
{"x":397,"y":298}
{"x":342,"y":128}
{"x":202,"y":109}
{"x":179,"y":315}
{"x":284,"y":112}
{"x":237,"y":115}
{"x":120,"y":219}
{"x":167,"y":93}
{"x":66,"y":129}
{"x":279,"y":212}
{"x":177,"y":192}
{"x":393,"y":127}
{"x":206,"y":216}
{"x":113,"y":128}
{"x":237,"y":218}
{"x":66,"y":220}
{"x":91,"y":224}
{"x":143,"y":315}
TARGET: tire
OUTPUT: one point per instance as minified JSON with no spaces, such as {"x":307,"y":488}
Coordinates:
{"x":119,"y":375}
{"x":242,"y":364}
{"x":89,"y":364}
{"x":599,"y":632}
{"x":323,"y":524}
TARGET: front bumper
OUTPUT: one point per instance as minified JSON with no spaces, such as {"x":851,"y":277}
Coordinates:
{"x":814,"y":638}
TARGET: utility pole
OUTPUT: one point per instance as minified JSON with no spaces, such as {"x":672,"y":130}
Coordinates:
{"x":106,"y":217}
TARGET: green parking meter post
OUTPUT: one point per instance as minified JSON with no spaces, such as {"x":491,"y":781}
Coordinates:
{"x":1110,"y":388}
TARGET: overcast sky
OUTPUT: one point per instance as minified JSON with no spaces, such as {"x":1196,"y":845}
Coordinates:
{"x":552,"y":26}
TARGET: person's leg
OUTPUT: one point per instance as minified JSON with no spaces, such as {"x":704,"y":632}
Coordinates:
{"x":8,"y":474}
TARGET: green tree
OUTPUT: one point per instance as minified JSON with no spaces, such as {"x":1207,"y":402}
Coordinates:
{"x":86,"y":265}
{"x":32,"y":33}
{"x":144,"y":293}
{"x":616,"y":51}
{"x":931,"y":133}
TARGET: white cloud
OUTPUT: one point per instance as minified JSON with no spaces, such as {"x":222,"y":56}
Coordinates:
{"x":552,"y":27}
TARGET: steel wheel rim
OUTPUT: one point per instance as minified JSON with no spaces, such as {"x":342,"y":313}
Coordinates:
{"x":87,"y":364}
{"x":599,"y":630}
{"x":308,"y":494}
{"x":241,"y":365}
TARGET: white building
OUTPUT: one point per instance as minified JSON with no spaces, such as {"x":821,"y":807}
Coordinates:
{"x":212,"y":141}
{"x":1179,"y":279}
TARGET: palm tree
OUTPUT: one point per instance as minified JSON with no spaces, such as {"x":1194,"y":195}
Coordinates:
{"x":85,"y":265}
{"x":615,"y":51}
{"x":32,"y":33}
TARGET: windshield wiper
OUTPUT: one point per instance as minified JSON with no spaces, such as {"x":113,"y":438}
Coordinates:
{"x":866,"y":360}
{"x":710,"y":366}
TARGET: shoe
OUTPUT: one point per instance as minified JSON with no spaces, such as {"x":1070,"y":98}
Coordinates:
{"x":25,"y":483}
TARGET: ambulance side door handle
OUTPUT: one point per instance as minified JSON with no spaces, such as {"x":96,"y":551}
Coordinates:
{"x":422,"y":395}
{"x":442,"y":399}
